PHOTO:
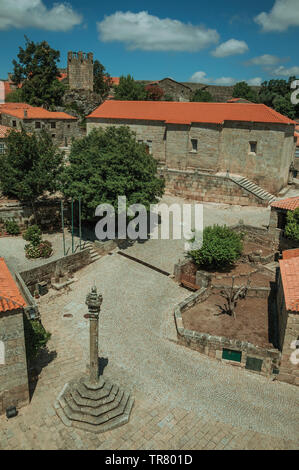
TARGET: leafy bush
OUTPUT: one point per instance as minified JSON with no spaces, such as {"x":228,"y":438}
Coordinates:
{"x":36,"y":337}
{"x":221,"y":247}
{"x":42,"y":250}
{"x":12,"y":228}
{"x":33,"y":235}
{"x":292,"y":225}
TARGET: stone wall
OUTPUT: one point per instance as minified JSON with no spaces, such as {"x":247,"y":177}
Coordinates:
{"x":65,"y":129}
{"x":219,"y":147}
{"x":213,"y":346}
{"x":13,"y":373}
{"x":80,"y":71}
{"x":288,"y":337}
{"x":68,"y":264}
{"x":206,"y":187}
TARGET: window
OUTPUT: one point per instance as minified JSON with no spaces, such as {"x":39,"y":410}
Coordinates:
{"x":2,"y":148}
{"x":14,"y":123}
{"x":140,"y":141}
{"x":53,"y":136}
{"x":252,"y":147}
{"x":149,"y":145}
{"x":53,"y":125}
{"x":194,"y":145}
{"x":37,"y":125}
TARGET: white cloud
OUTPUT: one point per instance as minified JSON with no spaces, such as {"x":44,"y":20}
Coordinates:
{"x":285,"y":13}
{"x":230,"y":47}
{"x":264,"y":60}
{"x":257,"y":81}
{"x":150,"y":33}
{"x":34,"y":14}
{"x":286,"y":72}
{"x":201,"y":77}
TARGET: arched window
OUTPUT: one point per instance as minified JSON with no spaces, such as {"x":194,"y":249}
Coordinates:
{"x":2,"y":353}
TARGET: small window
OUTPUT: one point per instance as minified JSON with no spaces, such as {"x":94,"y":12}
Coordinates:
{"x":37,"y":125}
{"x":53,"y":125}
{"x":194,"y":145}
{"x":149,"y":145}
{"x":14,"y":123}
{"x":252,"y":147}
{"x":140,"y":141}
{"x":2,"y":148}
{"x":68,"y":126}
{"x":53,"y":136}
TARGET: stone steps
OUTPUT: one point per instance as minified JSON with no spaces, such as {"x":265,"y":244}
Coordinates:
{"x":253,"y":188}
{"x":93,"y":407}
{"x":94,"y":255}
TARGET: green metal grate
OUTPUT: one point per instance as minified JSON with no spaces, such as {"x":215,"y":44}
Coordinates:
{"x":253,"y":363}
{"x":231,"y":355}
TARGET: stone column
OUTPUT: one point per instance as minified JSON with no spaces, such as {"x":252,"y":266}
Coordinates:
{"x":94,"y":301}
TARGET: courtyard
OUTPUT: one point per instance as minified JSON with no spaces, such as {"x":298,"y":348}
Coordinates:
{"x":183,"y":400}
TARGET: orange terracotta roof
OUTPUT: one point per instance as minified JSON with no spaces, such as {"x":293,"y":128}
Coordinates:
{"x":115,"y":80}
{"x":15,"y":106}
{"x":10,"y":295}
{"x":186,"y":113}
{"x":62,"y":76}
{"x":287,"y":254}
{"x":290,"y":204}
{"x":289,"y":269}
{"x":34,"y":113}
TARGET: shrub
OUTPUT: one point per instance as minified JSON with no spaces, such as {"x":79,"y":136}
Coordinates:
{"x":292,"y":225}
{"x":42,"y":250}
{"x":12,"y":228}
{"x":33,"y":235}
{"x":36,"y":337}
{"x":221,"y":247}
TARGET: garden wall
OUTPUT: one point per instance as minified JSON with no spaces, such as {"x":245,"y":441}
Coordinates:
{"x":256,"y":359}
{"x":66,"y":265}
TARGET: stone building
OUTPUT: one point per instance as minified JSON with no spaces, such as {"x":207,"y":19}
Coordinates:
{"x":13,"y":365}
{"x":61,"y":126}
{"x":176,"y":90}
{"x":80,"y":70}
{"x":210,"y":138}
{"x":288,"y":316}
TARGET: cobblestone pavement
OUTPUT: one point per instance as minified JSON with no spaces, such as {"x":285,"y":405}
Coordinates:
{"x":183,"y":400}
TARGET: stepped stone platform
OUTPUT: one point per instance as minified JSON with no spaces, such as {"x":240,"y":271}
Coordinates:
{"x":93,"y":406}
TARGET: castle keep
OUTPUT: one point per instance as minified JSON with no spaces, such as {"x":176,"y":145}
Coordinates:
{"x":80,"y":70}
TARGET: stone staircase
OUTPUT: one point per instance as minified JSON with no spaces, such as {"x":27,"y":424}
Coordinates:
{"x":94,"y":255}
{"x":253,"y":188}
{"x":95,"y":407}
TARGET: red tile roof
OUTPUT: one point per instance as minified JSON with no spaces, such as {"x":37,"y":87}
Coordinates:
{"x":290,"y":204}
{"x":289,"y":269}
{"x":186,"y":113}
{"x":33,"y":113}
{"x":287,"y":254}
{"x":15,"y":106}
{"x":10,"y":295}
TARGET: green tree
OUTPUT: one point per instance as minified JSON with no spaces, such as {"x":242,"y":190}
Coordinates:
{"x":102,"y":80}
{"x":221,"y":247}
{"x":14,"y":96}
{"x":277,"y":95}
{"x":129,"y":90}
{"x":292,"y":225}
{"x":243,"y":90}
{"x":107,"y":164}
{"x":37,"y":71}
{"x":201,"y":96}
{"x":30,"y":166}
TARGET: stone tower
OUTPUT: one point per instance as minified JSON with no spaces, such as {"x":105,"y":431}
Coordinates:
{"x":80,"y":70}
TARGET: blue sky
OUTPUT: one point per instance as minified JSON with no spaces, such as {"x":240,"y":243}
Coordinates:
{"x":219,"y":42}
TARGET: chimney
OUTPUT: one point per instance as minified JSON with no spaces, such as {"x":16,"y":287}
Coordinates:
{"x":25,"y":113}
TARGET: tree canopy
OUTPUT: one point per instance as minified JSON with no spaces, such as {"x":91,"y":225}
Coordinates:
{"x":102,"y":80}
{"x":277,"y":95}
{"x":129,"y":90}
{"x":107,"y":164}
{"x":292,"y":225}
{"x":30,"y":166}
{"x":37,"y":71}
{"x":201,"y":96}
{"x":243,"y":90}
